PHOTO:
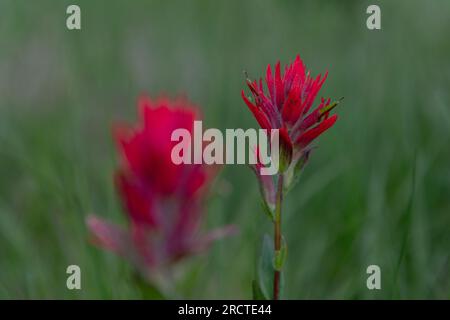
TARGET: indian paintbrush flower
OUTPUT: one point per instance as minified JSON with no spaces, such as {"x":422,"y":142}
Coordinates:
{"x":163,"y":201}
{"x":286,"y":105}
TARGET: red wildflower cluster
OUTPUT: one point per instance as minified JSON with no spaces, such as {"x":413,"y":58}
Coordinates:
{"x":286,"y":107}
{"x":163,"y":201}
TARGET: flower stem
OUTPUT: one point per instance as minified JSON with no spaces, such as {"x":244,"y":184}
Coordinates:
{"x":277,"y":235}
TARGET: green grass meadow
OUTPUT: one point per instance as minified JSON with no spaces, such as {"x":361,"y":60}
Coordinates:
{"x":376,"y":190}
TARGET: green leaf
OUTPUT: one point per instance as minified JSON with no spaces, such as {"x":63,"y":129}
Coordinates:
{"x":149,"y":291}
{"x":280,"y":256}
{"x":293,"y":173}
{"x":265,"y":268}
{"x":267,"y":210}
{"x":257,"y":292}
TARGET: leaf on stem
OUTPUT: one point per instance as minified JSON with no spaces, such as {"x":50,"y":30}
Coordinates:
{"x":280,"y":256}
{"x":265,"y":269}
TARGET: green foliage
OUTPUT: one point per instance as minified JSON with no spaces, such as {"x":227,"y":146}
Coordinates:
{"x":61,"y":90}
{"x":265,"y":268}
{"x":280,"y":256}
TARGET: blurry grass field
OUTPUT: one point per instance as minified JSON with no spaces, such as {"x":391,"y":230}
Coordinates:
{"x":376,"y":191}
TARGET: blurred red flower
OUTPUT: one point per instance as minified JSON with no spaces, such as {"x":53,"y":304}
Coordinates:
{"x":286,"y":105}
{"x":163,"y":201}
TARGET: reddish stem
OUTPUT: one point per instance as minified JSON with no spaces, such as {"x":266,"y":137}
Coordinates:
{"x":277,"y":235}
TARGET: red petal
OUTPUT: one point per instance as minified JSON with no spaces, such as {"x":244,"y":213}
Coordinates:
{"x":315,"y":87}
{"x":137,"y":200}
{"x":279,"y":88}
{"x":269,"y":82}
{"x":291,"y":106}
{"x":305,"y":138}
{"x":314,"y":116}
{"x":259,"y":116}
{"x":285,"y":140}
{"x":299,"y":68}
{"x":108,"y":235}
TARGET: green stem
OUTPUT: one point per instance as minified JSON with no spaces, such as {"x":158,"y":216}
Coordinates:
{"x":277,"y":235}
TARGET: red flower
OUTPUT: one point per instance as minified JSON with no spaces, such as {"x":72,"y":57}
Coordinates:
{"x":286,"y":104}
{"x":163,"y":201}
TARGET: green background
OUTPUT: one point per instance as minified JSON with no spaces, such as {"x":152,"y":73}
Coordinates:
{"x":376,"y":191}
